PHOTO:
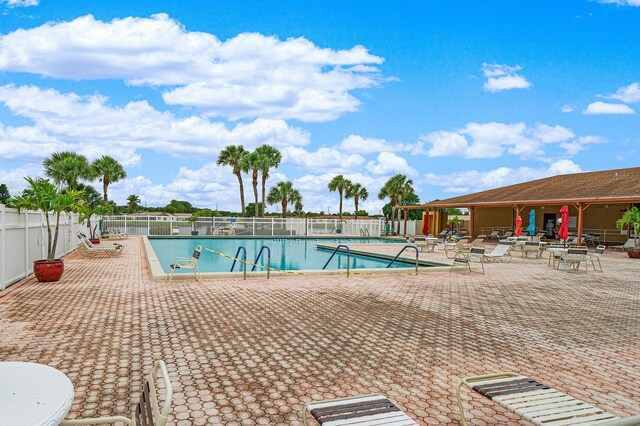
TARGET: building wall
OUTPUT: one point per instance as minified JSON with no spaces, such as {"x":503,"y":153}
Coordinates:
{"x":596,"y":218}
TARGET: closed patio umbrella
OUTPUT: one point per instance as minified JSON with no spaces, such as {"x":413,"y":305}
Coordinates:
{"x":425,"y":223}
{"x":518,"y":226}
{"x":532,"y":223}
{"x":563,"y":232}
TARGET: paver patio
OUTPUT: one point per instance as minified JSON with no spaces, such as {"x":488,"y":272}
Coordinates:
{"x":252,"y":352}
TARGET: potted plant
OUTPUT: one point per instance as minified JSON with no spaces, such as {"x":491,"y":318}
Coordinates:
{"x":52,"y":201}
{"x":86,"y":212}
{"x":192,"y":220}
{"x":631,"y":218}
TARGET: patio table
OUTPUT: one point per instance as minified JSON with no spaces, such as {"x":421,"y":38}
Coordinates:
{"x":553,"y":250}
{"x":33,"y":394}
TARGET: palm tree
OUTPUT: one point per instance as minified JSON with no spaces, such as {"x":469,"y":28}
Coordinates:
{"x":402,"y":186}
{"x":133,"y":201}
{"x":388,"y":190}
{"x":270,"y":158}
{"x":298,"y":207}
{"x":339,"y":184}
{"x":284,"y":193}
{"x":631,"y":219}
{"x":233,"y":155}
{"x":358,"y":193}
{"x":108,"y":171}
{"x":253,"y":162}
{"x":68,"y":167}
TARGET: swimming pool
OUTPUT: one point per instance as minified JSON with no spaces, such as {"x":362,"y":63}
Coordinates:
{"x":292,"y":254}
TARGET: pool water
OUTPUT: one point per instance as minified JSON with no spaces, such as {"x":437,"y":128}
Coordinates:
{"x":293,"y":254}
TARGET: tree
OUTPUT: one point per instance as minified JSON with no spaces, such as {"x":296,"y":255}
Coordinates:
{"x":284,"y":193}
{"x":631,"y":219}
{"x":133,"y":201}
{"x":298,"y":207}
{"x":251,"y":209}
{"x":4,"y":194}
{"x":339,"y":184}
{"x":233,"y":156}
{"x":270,"y":158}
{"x":177,"y":206}
{"x":395,"y":188}
{"x":108,"y":171}
{"x":68,"y":167}
{"x":252,"y":162}
{"x":92,"y":206}
{"x":358,"y":193}
{"x":452,"y":211}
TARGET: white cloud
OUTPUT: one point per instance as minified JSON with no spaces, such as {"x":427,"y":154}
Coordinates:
{"x":503,"y":77}
{"x":469,"y":181}
{"x":566,"y":108}
{"x":607,"y":108}
{"x":388,"y":163}
{"x":491,"y":140}
{"x":88,"y":124}
{"x":20,"y":3}
{"x":362,"y":145}
{"x":635,"y":3}
{"x":627,"y":94}
{"x":249,"y":75}
{"x":329,"y":159}
{"x":575,"y":146}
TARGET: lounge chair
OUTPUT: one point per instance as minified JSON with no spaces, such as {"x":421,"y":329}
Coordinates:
{"x":595,"y":257}
{"x":537,"y":403}
{"x":186,"y":263}
{"x":443,"y":234}
{"x":147,"y":411}
{"x":539,"y":236}
{"x":476,"y":254}
{"x":494,"y":235}
{"x":361,"y":410}
{"x":507,"y":235}
{"x":574,"y":257}
{"x":449,"y":247}
{"x":114,"y":235}
{"x":531,"y":247}
{"x":629,"y":244}
{"x":84,"y":238}
{"x":500,"y":251}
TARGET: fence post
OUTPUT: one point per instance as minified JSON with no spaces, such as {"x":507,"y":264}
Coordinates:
{"x":272,"y":226}
{"x":125,"y":224}
{"x":3,"y":248}
{"x":254,"y":226}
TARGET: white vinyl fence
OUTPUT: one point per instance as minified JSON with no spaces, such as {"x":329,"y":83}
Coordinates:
{"x":170,"y":225}
{"x":23,"y":239}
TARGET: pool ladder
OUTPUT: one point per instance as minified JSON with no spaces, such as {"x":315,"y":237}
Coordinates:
{"x":334,"y":253}
{"x":244,"y":258}
{"x":402,"y":251}
{"x":268,"y":260}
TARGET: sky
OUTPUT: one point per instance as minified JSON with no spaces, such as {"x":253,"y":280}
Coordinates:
{"x":459,"y":96}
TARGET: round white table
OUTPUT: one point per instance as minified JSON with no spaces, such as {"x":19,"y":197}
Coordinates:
{"x":33,"y":394}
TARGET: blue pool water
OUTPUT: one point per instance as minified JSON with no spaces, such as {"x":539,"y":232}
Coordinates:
{"x":286,"y":254}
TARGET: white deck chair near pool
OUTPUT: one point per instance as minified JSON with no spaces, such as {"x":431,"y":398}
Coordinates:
{"x":186,"y":263}
{"x":494,"y":235}
{"x":531,"y":248}
{"x":81,"y":236}
{"x":361,"y":410}
{"x":574,"y":257}
{"x":537,"y":403}
{"x":595,"y":257}
{"x":539,"y":236}
{"x":629,"y":244}
{"x":148,"y":411}
{"x":475,"y":254}
{"x":500,"y":251}
{"x":507,"y":235}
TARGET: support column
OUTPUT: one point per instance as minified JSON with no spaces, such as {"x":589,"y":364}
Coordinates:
{"x":580,"y":215}
{"x":472,"y":211}
{"x":404,"y":211}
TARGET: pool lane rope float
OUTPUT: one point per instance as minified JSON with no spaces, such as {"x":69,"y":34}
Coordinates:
{"x":247,"y":263}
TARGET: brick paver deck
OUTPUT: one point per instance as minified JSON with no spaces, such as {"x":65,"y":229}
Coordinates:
{"x":252,"y":352}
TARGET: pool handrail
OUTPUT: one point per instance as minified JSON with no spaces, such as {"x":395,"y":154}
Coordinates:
{"x":402,"y":251}
{"x":235,"y":258}
{"x":334,"y":253}
{"x":255,"y":262}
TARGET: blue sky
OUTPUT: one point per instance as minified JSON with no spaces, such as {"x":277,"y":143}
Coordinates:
{"x":461,"y":97}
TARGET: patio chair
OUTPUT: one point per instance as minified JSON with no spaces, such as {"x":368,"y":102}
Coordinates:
{"x":629,"y":244}
{"x":574,"y":257}
{"x":494,"y":235}
{"x":507,"y":235}
{"x":81,"y":236}
{"x":531,"y":247}
{"x":500,"y":251}
{"x":147,"y":411}
{"x":361,"y":410}
{"x":449,"y":247}
{"x":539,"y":236}
{"x":537,"y":403}
{"x":595,"y":257}
{"x":476,"y":254}
{"x":186,"y":263}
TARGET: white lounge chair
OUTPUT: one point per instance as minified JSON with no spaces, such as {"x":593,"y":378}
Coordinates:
{"x":531,"y":248}
{"x":361,"y":410}
{"x":574,"y":257}
{"x":475,"y":254}
{"x":186,"y":263}
{"x":629,"y":244}
{"x":595,"y":257}
{"x":147,"y":411}
{"x":494,"y":235}
{"x":500,"y":251}
{"x":537,"y":403}
{"x":507,"y":235}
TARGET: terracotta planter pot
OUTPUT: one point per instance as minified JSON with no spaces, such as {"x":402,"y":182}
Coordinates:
{"x":46,"y":271}
{"x":94,"y":240}
{"x":634,"y":253}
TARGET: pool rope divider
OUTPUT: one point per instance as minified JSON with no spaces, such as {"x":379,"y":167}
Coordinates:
{"x":247,"y":263}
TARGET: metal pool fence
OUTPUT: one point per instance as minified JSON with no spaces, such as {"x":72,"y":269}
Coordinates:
{"x":23,"y":239}
{"x":170,"y":225}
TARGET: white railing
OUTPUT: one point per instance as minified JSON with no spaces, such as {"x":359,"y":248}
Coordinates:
{"x":23,"y":239}
{"x":270,"y":226}
{"x":606,"y":235}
